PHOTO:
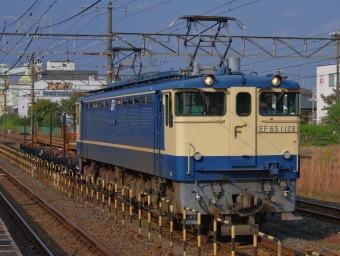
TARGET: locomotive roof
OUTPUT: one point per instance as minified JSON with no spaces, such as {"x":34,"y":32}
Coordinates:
{"x":175,"y":80}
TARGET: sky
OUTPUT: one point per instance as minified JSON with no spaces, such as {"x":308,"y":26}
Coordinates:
{"x":281,"y":18}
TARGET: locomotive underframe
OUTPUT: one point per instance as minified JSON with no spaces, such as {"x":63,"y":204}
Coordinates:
{"x":242,"y":202}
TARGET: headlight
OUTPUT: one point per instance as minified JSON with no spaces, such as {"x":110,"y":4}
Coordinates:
{"x":197,"y":156}
{"x":276,"y":80}
{"x":209,"y":80}
{"x":287,"y":155}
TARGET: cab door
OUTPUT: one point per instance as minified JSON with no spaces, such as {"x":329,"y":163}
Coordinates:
{"x":243,"y":126}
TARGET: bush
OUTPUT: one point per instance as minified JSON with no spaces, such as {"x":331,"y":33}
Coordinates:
{"x":319,"y":135}
{"x":12,"y":120}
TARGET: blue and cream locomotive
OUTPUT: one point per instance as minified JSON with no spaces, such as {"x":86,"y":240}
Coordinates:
{"x":216,"y":140}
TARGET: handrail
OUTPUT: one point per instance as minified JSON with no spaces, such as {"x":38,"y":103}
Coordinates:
{"x":189,"y":144}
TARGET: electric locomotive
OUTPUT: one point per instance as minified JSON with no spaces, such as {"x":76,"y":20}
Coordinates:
{"x":213,"y":139}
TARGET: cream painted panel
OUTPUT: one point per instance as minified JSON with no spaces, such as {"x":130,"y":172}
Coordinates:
{"x":271,"y":141}
{"x":243,"y":128}
{"x":277,"y":134}
{"x":210,"y":139}
{"x":208,"y":135}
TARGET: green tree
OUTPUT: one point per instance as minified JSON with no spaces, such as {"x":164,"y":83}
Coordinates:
{"x":333,"y":115}
{"x":43,"y":108}
{"x":329,"y":100}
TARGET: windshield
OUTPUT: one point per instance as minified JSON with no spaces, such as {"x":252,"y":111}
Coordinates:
{"x":279,"y":103}
{"x":200,"y":103}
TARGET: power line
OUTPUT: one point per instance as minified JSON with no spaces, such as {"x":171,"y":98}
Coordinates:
{"x":212,"y":10}
{"x":32,"y":37}
{"x":23,"y":14}
{"x":72,"y":16}
{"x":18,"y":18}
{"x":20,"y":25}
{"x":24,"y":51}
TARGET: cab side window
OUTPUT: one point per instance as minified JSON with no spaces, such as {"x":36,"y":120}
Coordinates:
{"x":243,"y":104}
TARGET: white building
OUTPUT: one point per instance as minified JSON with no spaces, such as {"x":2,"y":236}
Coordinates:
{"x":10,"y":89}
{"x":325,"y":83}
{"x":61,"y":65}
{"x":56,"y":85}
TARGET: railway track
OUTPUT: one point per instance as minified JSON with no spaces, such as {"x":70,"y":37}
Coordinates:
{"x":318,"y":211}
{"x":94,"y":197}
{"x":66,"y":234}
{"x":21,"y":231}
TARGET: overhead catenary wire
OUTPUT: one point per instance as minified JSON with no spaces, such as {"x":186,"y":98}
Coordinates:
{"x":59,"y":44}
{"x":230,"y":9}
{"x":31,"y":38}
{"x":22,"y":25}
{"x":145,"y":9}
{"x":45,"y":27}
{"x":117,"y":22}
{"x":18,"y":18}
{"x":180,"y":23}
{"x":73,"y":15}
{"x":24,"y":51}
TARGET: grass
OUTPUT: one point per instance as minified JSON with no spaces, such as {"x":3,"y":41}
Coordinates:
{"x":320,"y":175}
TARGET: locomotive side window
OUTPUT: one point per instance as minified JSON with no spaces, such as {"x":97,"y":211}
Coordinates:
{"x":168,"y":110}
{"x":200,"y":103}
{"x":243,"y":103}
{"x":145,"y":99}
{"x":148,"y":99}
{"x":104,"y":104}
{"x":279,"y":103}
{"x":130,"y":101}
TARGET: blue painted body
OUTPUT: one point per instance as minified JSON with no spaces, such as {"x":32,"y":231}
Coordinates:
{"x":208,"y":168}
{"x":138,"y":146}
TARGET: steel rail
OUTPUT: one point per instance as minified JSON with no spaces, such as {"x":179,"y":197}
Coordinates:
{"x":319,"y":211}
{"x":285,"y":249}
{"x":25,"y":227}
{"x":99,"y":246}
{"x":263,"y":241}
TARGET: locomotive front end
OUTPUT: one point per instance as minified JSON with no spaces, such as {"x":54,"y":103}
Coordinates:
{"x":236,"y":157}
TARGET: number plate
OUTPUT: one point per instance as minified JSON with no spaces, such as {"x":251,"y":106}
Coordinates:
{"x":277,"y":128}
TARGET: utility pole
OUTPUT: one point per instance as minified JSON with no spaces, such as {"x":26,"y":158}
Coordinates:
{"x":336,"y":34}
{"x":109,"y":37}
{"x":337,"y":69}
{"x":313,"y":106}
{"x":5,"y":106}
{"x":32,"y":100}
{"x":109,"y":44}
